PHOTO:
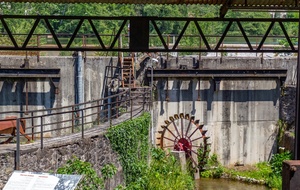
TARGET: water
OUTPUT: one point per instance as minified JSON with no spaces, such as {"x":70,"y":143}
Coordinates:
{"x":224,"y":184}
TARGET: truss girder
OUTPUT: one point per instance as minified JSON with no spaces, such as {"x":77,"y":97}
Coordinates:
{"x":155,"y":22}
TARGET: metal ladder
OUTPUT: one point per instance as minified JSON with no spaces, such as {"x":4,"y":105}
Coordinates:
{"x":128,"y":75}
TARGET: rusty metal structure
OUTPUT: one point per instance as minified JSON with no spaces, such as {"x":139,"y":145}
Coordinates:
{"x":189,"y":135}
{"x":10,"y":126}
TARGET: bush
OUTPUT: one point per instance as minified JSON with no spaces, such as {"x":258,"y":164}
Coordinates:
{"x":164,"y":173}
{"x":90,"y":180}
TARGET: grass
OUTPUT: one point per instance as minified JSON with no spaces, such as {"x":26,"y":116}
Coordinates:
{"x":266,"y":173}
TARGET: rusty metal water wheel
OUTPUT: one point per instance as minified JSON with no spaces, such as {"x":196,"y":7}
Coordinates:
{"x":184,"y":133}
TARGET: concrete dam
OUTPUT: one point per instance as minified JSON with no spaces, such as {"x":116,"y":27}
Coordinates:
{"x":237,"y":100}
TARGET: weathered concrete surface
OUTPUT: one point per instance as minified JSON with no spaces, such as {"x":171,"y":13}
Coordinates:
{"x":41,"y":93}
{"x":240,"y":116}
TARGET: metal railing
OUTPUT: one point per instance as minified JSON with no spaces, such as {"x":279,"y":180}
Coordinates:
{"x":58,"y":122}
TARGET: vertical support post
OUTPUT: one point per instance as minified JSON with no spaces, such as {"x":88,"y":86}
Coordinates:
{"x":98,"y":112}
{"x":26,"y":94}
{"x":32,"y":124}
{"x":297,"y":118}
{"x":109,"y":106}
{"x":38,"y":45}
{"x":42,"y":133}
{"x":17,"y":160}
{"x":73,"y":112}
{"x":199,"y":48}
{"x":199,"y":98}
{"x":167,"y":90}
{"x":82,"y":124}
{"x":117,"y":106}
{"x":151,"y":107}
{"x":130,"y":98}
{"x":168,"y":44}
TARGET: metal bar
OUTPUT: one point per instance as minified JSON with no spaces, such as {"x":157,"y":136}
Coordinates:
{"x":9,"y":33}
{"x":131,"y":102}
{"x":199,"y":91}
{"x":266,"y":35}
{"x":224,"y":8}
{"x":26,"y":96}
{"x":169,"y":139}
{"x":31,"y":32}
{"x":82,"y":124}
{"x":17,"y":159}
{"x":32,"y":124}
{"x":188,"y":128}
{"x":171,"y":132}
{"x":244,"y":35}
{"x":193,"y":132}
{"x":98,"y":112}
{"x":196,"y":139}
{"x":176,"y":128}
{"x":53,"y":33}
{"x":118,"y":34}
{"x":159,"y":34}
{"x":181,"y":34}
{"x":75,"y":33}
{"x":42,"y":133}
{"x":38,"y":45}
{"x":181,"y":127}
{"x":297,"y":118}
{"x":202,"y":35}
{"x":221,"y":73}
{"x":96,"y":48}
{"x":223,"y":35}
{"x":73,"y":112}
{"x":286,"y":35}
{"x":96,"y":33}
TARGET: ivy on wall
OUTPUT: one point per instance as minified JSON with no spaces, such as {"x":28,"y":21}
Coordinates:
{"x":130,"y":140}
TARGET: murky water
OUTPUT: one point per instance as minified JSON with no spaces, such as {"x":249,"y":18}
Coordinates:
{"x":224,"y":184}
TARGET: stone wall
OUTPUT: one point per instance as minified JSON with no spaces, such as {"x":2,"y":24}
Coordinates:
{"x":94,"y":149}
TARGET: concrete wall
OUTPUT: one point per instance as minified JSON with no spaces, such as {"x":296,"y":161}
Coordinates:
{"x":41,"y":93}
{"x":240,"y":116}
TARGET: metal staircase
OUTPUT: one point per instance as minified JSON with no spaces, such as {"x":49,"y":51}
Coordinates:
{"x":128,"y":79}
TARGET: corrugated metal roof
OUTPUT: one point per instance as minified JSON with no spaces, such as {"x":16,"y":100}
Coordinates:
{"x":230,"y":3}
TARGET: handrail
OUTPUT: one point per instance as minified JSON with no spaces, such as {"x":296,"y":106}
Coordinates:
{"x":59,"y":122}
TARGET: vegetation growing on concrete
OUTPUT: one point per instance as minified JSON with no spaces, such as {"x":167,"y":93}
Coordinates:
{"x":130,"y":141}
{"x":282,"y":127}
{"x":266,"y":173}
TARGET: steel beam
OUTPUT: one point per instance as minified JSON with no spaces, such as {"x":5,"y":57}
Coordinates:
{"x":93,"y":41}
{"x":29,"y":73}
{"x":220,"y":73}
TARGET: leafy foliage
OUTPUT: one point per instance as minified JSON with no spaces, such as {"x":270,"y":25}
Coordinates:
{"x":276,"y":162}
{"x":108,"y":171}
{"x":90,"y":181}
{"x":130,"y":141}
{"x":164,"y":173}
{"x":215,"y":169}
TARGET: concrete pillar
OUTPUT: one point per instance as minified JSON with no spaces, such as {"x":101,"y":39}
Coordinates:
{"x":180,"y":156}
